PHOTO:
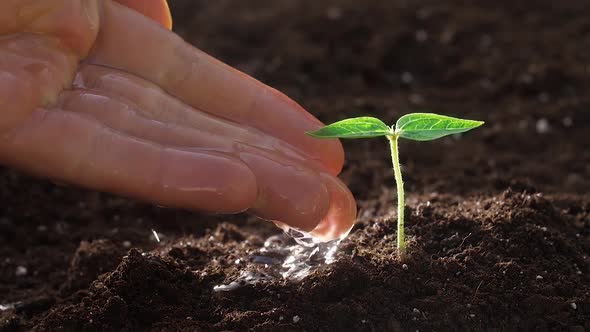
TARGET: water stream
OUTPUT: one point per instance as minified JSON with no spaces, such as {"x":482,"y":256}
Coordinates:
{"x":282,"y":259}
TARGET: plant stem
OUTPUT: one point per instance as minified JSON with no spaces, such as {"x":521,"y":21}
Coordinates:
{"x":397,"y":172}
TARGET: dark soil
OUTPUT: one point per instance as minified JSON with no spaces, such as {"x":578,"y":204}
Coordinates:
{"x":498,"y":220}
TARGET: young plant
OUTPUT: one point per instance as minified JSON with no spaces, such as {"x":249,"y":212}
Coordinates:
{"x":415,"y":126}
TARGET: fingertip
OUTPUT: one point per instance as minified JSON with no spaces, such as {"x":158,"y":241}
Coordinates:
{"x":287,"y":193}
{"x":342,"y":213}
{"x":166,"y":15}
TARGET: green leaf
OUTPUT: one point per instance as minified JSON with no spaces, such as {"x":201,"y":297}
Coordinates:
{"x":363,"y":127}
{"x":429,"y":126}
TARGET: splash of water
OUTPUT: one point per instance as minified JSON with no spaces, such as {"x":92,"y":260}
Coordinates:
{"x":281,"y":259}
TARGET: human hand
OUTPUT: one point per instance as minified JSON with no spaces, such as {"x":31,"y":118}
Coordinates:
{"x":96,"y":94}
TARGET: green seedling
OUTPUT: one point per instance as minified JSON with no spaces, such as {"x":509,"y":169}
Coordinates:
{"x":415,"y":126}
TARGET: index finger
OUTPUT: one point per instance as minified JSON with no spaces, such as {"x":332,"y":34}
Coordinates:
{"x":130,"y":42}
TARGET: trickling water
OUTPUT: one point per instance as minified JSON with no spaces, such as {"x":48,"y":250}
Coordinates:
{"x":280,"y":259}
{"x":245,"y":278}
{"x":304,"y":239}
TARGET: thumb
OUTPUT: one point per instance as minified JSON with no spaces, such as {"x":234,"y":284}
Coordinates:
{"x":157,"y":10}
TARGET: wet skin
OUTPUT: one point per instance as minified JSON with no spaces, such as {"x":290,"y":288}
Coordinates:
{"x":102,"y":94}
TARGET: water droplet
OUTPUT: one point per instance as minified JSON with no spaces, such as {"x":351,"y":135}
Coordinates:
{"x":156,"y":235}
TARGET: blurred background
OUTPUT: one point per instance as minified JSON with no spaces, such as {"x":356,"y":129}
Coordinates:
{"x":522,"y":66}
